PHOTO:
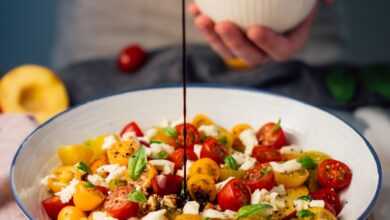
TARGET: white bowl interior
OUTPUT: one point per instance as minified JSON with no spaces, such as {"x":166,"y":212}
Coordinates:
{"x":311,"y":128}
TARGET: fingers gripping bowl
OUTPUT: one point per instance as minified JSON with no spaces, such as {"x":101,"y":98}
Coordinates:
{"x":279,"y":15}
{"x":304,"y":126}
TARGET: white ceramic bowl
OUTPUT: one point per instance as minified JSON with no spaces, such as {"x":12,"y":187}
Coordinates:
{"x":310,"y":127}
{"x":279,"y":15}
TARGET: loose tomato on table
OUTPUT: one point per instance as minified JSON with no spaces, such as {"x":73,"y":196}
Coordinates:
{"x":234,"y":195}
{"x":177,"y":157}
{"x":53,"y":206}
{"x":166,"y":184}
{"x":265,"y":154}
{"x":212,"y":149}
{"x":260,"y":177}
{"x":331,"y":198}
{"x":272,"y":134}
{"x":192,"y":135}
{"x":132,"y":127}
{"x":335,"y":174}
{"x":119,"y":206}
{"x":131,"y":58}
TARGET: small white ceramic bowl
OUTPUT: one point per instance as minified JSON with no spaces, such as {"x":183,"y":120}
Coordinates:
{"x":310,"y":127}
{"x":279,"y":15}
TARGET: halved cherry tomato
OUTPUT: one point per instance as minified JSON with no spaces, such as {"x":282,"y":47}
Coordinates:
{"x":177,"y":157}
{"x":132,"y":127}
{"x":166,"y":184}
{"x":53,"y":206}
{"x":119,"y":206}
{"x":192,"y":135}
{"x":271,"y":134}
{"x":259,"y":177}
{"x":131,"y":58}
{"x":214,"y":150}
{"x":265,"y":154}
{"x":335,"y":174}
{"x":331,"y":198}
{"x":234,"y":195}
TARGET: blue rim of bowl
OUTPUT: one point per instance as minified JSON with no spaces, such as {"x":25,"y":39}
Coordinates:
{"x":363,"y":216}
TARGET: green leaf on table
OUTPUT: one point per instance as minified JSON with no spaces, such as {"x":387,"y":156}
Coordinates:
{"x":341,"y":85}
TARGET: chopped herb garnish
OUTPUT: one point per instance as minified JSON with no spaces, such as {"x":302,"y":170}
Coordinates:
{"x":81,"y":166}
{"x":307,"y":162}
{"x":305,"y":198}
{"x":231,"y":163}
{"x":304,"y":213}
{"x":89,"y":185}
{"x":171,"y":132}
{"x":137,"y":164}
{"x":137,"y":196}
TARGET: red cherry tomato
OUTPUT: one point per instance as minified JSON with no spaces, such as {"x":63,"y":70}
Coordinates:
{"x":177,"y":157}
{"x":193,"y":136}
{"x":212,"y":149}
{"x":119,"y":206}
{"x":334,"y":174}
{"x":131,"y":58}
{"x":166,"y":184}
{"x":132,"y":127}
{"x":233,"y":195}
{"x":260,"y":177}
{"x":331,"y":198}
{"x":53,"y":206}
{"x":265,"y":154}
{"x":271,"y":134}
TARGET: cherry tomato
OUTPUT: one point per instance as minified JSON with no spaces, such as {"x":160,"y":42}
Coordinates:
{"x":119,"y":206}
{"x":233,"y":195}
{"x":259,"y":177}
{"x":335,"y":174}
{"x":264,"y":154}
{"x":131,"y":58}
{"x":214,"y":150}
{"x":271,"y":134}
{"x":193,"y":136}
{"x":166,"y":184}
{"x":132,"y":127}
{"x":177,"y":157}
{"x":53,"y":206}
{"x":331,"y":198}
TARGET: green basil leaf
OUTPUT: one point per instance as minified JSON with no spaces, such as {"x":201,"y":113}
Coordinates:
{"x":307,"y":162}
{"x":305,"y":198}
{"x":304,"y":213}
{"x":171,"y":132}
{"x":258,"y":209}
{"x":161,"y":155}
{"x":341,"y":85}
{"x":83,"y":167}
{"x":231,"y":162}
{"x":137,"y":164}
{"x":137,"y":196}
{"x":155,"y":142}
{"x":89,"y":185}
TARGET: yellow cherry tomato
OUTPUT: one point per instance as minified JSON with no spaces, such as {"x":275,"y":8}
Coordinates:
{"x":72,"y":154}
{"x":202,"y":187}
{"x":200,"y":120}
{"x":100,"y":161}
{"x":225,"y":136}
{"x":319,"y":214}
{"x":95,"y":145}
{"x":120,"y":152}
{"x":236,"y":131}
{"x":70,"y":213}
{"x":292,"y":195}
{"x":227,"y":172}
{"x":317,"y":156}
{"x":188,"y":217}
{"x":205,"y":166}
{"x":162,"y":136}
{"x":292,"y":179}
{"x":60,"y":177}
{"x":87,"y":197}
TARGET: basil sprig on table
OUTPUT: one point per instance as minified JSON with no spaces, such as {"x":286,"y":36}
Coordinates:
{"x":137,"y":164}
{"x":307,"y":162}
{"x":137,"y":196}
{"x":258,"y":209}
{"x":231,"y":163}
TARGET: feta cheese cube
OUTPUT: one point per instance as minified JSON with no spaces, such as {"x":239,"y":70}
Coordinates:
{"x":248,"y":138}
{"x":166,"y":166}
{"x":286,"y":167}
{"x":209,"y":130}
{"x":97,"y":180}
{"x":156,"y":148}
{"x":259,"y":196}
{"x":114,"y":171}
{"x":248,"y":164}
{"x":108,"y":142}
{"x":181,"y":171}
{"x":197,"y":149}
{"x":240,"y":157}
{"x":149,"y":134}
{"x":98,"y":215}
{"x":214,"y":214}
{"x":280,"y":189}
{"x":317,"y":203}
{"x":191,"y":207}
{"x":301,"y":204}
{"x":67,"y":192}
{"x":290,"y":149}
{"x":156,"y":215}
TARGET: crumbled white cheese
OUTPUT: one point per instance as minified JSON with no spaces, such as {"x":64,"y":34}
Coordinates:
{"x":191,"y":207}
{"x":108,"y":142}
{"x":240,"y":157}
{"x":290,"y":149}
{"x":248,"y":164}
{"x":280,"y":189}
{"x":97,"y":180}
{"x":197,"y":149}
{"x":258,"y":196}
{"x":128,"y":135}
{"x":45,"y":179}
{"x":156,"y":148}
{"x":156,"y":215}
{"x":317,"y":203}
{"x":188,"y":165}
{"x":214,"y":214}
{"x":67,"y":192}
{"x":166,"y":166}
{"x":209,"y":130}
{"x":149,"y":134}
{"x":114,"y":171}
{"x":301,"y":204}
{"x":98,"y":215}
{"x":286,"y":167}
{"x":249,"y":140}
{"x":220,"y":185}
{"x":271,"y":198}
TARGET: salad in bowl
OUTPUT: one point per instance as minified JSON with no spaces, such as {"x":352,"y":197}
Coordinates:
{"x":237,"y":173}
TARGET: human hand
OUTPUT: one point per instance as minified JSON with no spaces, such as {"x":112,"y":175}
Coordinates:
{"x":257,"y":44}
